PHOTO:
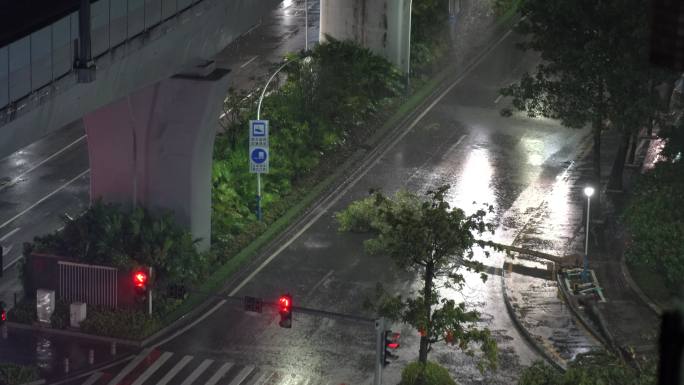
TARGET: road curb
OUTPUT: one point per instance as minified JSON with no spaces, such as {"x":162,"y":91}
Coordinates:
{"x":635,"y":288}
{"x":72,"y":333}
{"x":525,"y":333}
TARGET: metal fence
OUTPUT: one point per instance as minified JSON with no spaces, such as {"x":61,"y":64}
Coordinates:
{"x":94,"y":285}
{"x":37,"y":60}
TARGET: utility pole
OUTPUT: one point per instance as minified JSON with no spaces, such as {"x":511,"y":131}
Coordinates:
{"x":379,"y":349}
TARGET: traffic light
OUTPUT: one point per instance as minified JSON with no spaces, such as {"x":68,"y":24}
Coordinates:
{"x":391,"y":341}
{"x":140,"y":279}
{"x":3,"y":313}
{"x":285,"y":310}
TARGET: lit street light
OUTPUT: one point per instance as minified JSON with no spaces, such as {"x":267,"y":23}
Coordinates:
{"x":588,"y":191}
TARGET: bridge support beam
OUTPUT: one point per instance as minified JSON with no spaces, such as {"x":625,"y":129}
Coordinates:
{"x":154,"y":148}
{"x":383,"y":26}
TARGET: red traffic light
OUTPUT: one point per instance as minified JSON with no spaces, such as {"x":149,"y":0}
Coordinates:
{"x":3,"y":316}
{"x":140,"y":279}
{"x":285,"y":302}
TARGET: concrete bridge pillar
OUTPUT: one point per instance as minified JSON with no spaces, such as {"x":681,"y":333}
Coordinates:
{"x":383,"y":26}
{"x":154,"y":148}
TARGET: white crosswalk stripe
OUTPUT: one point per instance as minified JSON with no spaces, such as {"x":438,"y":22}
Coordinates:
{"x":177,"y":368}
{"x":219,"y":374}
{"x":153,"y":368}
{"x":197,"y":372}
{"x":128,"y":368}
{"x":242,"y":375}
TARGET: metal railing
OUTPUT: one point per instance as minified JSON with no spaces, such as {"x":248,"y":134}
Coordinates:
{"x":94,"y":285}
{"x":30,"y":64}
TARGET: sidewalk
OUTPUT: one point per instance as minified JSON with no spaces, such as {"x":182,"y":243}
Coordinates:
{"x":563,"y":328}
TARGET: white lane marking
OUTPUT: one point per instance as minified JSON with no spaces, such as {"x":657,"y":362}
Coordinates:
{"x":249,"y":61}
{"x":153,"y":368}
{"x":339,"y":195}
{"x":242,"y":375}
{"x":43,"y":199}
{"x":197,"y":372}
{"x":498,"y":99}
{"x":35,"y":166}
{"x":325,"y":277}
{"x":10,"y":234}
{"x":219,"y":374}
{"x":93,"y":379}
{"x":172,"y":373}
{"x":453,"y":146}
{"x":128,"y":368}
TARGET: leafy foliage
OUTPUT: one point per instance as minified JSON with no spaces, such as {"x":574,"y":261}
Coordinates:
{"x":24,"y":312}
{"x":594,"y":68}
{"x":430,"y":238}
{"x":429,"y":35}
{"x":120,"y":323}
{"x":12,"y":374}
{"x":655,"y":220}
{"x":430,"y":373}
{"x":314,"y":112}
{"x":589,"y":369}
{"x":109,"y":234}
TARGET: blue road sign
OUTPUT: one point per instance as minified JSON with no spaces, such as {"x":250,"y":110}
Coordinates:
{"x":259,"y":155}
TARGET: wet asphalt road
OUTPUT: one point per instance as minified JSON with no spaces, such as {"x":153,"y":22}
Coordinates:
{"x":511,"y":163}
{"x":50,"y":178}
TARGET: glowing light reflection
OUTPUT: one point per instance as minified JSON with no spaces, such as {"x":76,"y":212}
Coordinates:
{"x":475,"y":183}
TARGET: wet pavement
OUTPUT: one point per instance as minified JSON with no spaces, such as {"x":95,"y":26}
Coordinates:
{"x":50,"y":178}
{"x":511,"y":163}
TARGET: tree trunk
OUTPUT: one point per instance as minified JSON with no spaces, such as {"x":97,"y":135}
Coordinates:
{"x":616,"y":172}
{"x":427,"y":293}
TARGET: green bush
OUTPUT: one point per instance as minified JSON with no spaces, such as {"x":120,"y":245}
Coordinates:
{"x":24,"y":312}
{"x":430,"y":374}
{"x":590,"y":369}
{"x":124,"y":324}
{"x":61,"y":316}
{"x":655,"y":221}
{"x":12,"y":374}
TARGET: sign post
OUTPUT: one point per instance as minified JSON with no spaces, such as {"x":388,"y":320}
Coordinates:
{"x":258,"y":155}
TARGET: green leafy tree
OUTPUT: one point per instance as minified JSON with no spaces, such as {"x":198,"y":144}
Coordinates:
{"x":432,"y":239}
{"x":590,"y":369}
{"x":594,"y":68}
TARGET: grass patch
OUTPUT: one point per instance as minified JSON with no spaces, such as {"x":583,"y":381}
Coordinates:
{"x":653,"y":285}
{"x":509,"y":13}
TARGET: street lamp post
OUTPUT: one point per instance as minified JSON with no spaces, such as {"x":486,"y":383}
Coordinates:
{"x":261,"y":99}
{"x":306,"y":25}
{"x":588,"y":191}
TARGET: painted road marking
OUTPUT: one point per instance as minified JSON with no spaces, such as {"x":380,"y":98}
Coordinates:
{"x":498,"y":99}
{"x":219,"y":374}
{"x":129,"y":368}
{"x":171,"y":373}
{"x":35,"y":166}
{"x":153,"y":368}
{"x":10,"y":234}
{"x":340,"y":191}
{"x":197,"y":372}
{"x":263,"y":378}
{"x":249,"y":61}
{"x":242,"y":375}
{"x":325,"y":278}
{"x":43,"y":199}
{"x":93,"y":379}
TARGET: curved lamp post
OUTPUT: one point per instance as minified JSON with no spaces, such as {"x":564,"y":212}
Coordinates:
{"x":261,"y":99}
{"x":588,"y":191}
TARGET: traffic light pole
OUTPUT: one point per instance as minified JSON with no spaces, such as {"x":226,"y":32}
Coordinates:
{"x":379,"y":348}
{"x":149,"y":296}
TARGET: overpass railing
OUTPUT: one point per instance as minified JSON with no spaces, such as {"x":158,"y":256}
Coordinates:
{"x":30,"y":65}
